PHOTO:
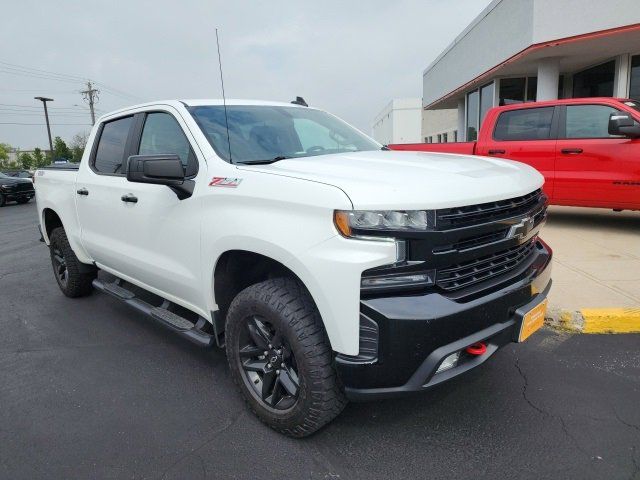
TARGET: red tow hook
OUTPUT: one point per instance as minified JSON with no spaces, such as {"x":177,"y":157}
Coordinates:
{"x":477,"y":349}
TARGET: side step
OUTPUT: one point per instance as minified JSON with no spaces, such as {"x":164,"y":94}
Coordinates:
{"x":178,"y":324}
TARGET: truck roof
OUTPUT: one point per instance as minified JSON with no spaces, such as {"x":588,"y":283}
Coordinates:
{"x":564,"y":101}
{"x":199,"y":102}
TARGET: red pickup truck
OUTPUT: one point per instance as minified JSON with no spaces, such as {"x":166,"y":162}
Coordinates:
{"x":588,"y":149}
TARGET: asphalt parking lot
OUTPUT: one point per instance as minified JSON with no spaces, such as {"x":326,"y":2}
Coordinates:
{"x":89,"y":389}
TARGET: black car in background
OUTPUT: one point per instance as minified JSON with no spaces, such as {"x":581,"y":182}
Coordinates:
{"x":18,"y":173}
{"x":15,"y":189}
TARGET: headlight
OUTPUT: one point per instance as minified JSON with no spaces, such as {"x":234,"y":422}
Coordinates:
{"x":7,"y":187}
{"x":354,"y":223}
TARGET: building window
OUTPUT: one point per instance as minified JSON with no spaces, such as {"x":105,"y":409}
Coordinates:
{"x":486,"y":100}
{"x":439,"y":138}
{"x":455,"y":135}
{"x":634,"y":81}
{"x":445,"y":137}
{"x":512,"y":90}
{"x":473,"y":105}
{"x":532,"y":89}
{"x":595,"y":81}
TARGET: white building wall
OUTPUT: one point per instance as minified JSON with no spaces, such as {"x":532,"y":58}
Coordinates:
{"x":399,"y":122}
{"x":503,"y":29}
{"x":439,"y":122}
{"x":553,"y":19}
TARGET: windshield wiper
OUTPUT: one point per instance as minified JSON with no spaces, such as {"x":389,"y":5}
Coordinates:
{"x":264,"y":162}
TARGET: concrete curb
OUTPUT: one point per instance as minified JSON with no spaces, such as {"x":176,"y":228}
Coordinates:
{"x":595,"y":320}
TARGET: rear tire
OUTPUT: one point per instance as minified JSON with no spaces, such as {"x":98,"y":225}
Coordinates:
{"x":74,"y":278}
{"x":279,"y":317}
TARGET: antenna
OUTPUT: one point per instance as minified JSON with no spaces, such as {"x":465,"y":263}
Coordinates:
{"x":224,"y":98}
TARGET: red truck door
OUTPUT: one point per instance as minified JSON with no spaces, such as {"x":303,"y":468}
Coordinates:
{"x":594,"y":168}
{"x":527,"y":135}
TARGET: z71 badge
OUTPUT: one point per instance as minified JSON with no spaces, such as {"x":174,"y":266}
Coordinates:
{"x":225,"y":182}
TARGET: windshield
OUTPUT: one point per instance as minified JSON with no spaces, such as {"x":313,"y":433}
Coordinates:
{"x":267,"y":133}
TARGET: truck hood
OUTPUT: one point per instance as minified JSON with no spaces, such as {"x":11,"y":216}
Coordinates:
{"x":384,"y":180}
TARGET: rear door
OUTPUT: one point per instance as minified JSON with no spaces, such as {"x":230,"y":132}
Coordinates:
{"x":527,"y":135}
{"x":97,"y":187}
{"x":594,"y":168}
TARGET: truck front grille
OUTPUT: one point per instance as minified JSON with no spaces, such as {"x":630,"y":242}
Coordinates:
{"x":486,"y":212}
{"x":475,"y":247}
{"x":480,"y":269}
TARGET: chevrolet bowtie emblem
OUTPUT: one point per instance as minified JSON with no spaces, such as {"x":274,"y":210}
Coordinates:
{"x":522,"y":228}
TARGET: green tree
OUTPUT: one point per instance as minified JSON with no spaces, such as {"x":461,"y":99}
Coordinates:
{"x":5,"y":148}
{"x":60,"y":149}
{"x":26,"y":160}
{"x":39,"y":159}
{"x":78,"y":144}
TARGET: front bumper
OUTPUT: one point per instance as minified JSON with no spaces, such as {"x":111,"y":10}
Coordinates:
{"x":11,"y":195}
{"x":417,"y":332}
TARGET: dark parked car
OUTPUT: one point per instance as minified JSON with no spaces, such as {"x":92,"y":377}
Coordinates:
{"x":19,"y":174}
{"x":12,"y":188}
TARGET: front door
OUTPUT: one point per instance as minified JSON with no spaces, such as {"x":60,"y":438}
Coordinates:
{"x":153,"y":237}
{"x":594,"y":168}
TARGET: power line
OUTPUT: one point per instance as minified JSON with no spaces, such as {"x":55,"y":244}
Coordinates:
{"x":16,"y":69}
{"x":53,"y":124}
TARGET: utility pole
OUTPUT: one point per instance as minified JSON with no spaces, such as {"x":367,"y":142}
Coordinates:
{"x":44,"y":101}
{"x":91,"y":95}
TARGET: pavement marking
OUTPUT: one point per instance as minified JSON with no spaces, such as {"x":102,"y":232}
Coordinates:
{"x":597,"y":320}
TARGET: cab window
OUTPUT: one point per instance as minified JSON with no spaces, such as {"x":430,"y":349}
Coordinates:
{"x":588,"y":121}
{"x":163,"y":135}
{"x":524,"y":124}
{"x":111,"y":146}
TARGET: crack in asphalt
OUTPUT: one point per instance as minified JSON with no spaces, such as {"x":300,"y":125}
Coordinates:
{"x":546,"y":413}
{"x":231,"y":421}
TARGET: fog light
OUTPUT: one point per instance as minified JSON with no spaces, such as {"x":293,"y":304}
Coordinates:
{"x":449,"y":362}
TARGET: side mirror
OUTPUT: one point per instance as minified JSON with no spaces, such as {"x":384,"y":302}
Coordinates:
{"x":623,"y":124}
{"x":160,"y":170}
{"x":156,"y":169}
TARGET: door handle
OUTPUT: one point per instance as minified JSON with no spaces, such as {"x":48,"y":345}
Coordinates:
{"x":82,"y":191}
{"x":129,"y":198}
{"x":571,"y":151}
{"x":497,"y":151}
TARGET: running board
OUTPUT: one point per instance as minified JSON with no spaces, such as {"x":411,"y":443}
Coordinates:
{"x":162,"y":315}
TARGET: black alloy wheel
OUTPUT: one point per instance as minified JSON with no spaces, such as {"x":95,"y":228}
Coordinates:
{"x":268,"y":364}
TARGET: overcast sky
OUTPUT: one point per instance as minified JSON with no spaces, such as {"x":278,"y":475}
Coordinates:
{"x":348,"y":57}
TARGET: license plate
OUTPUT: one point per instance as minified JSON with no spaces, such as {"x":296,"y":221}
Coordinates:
{"x":533,"y":320}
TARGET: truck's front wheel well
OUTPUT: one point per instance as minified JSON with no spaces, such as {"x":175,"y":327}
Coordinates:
{"x":239,"y":269}
{"x":51,"y":221}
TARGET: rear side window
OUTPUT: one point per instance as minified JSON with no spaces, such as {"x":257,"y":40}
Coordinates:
{"x":525,"y":124}
{"x":162,"y":134}
{"x":111,"y":146}
{"x":588,"y":121}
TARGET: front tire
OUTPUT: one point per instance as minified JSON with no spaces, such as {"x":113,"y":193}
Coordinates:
{"x":281,"y":359}
{"x":3,"y":200}
{"x":74,"y":278}
{"x":22,"y":201}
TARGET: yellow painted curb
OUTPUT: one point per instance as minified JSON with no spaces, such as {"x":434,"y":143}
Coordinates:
{"x":611,"y":320}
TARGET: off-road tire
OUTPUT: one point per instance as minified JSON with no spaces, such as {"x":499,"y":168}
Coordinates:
{"x":79,"y":276}
{"x":286,"y":303}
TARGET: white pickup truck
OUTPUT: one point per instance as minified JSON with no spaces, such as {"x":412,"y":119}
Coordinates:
{"x":328,"y":267}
